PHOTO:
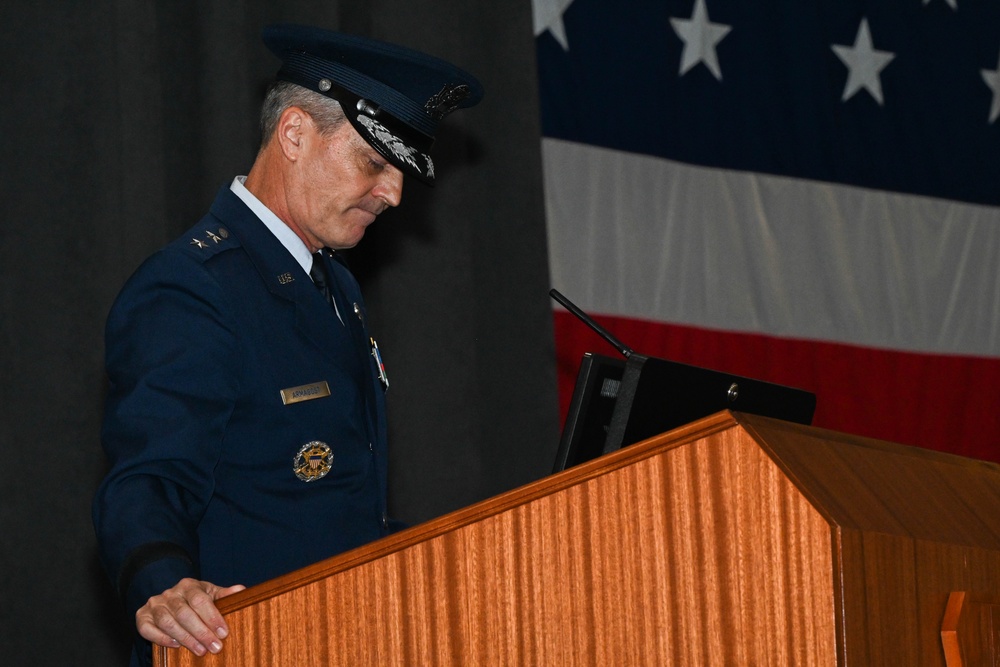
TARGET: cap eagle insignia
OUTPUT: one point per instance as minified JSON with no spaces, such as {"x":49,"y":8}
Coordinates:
{"x":446,"y":100}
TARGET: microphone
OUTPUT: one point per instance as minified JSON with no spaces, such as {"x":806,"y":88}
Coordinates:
{"x":624,"y":349}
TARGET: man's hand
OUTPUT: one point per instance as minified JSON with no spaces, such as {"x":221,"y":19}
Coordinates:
{"x":185,"y":615}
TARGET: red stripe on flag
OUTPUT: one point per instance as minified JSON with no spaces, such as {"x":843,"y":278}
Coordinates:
{"x":942,"y":402}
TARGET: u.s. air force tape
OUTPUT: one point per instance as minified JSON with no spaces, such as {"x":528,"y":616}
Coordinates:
{"x":305,"y":392}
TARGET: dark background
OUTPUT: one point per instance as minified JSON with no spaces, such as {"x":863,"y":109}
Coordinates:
{"x":120,"y":120}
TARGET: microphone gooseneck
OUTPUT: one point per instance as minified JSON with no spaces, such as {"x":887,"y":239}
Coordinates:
{"x":624,"y":349}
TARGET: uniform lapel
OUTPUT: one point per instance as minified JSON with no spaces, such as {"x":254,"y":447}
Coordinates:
{"x":284,"y":278}
{"x":340,"y":275}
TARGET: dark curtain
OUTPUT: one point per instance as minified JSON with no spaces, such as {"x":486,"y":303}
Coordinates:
{"x":120,"y":121}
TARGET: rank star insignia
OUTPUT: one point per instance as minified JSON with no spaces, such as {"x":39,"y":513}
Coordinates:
{"x":199,"y":243}
{"x":214,"y":237}
{"x":313,"y":461}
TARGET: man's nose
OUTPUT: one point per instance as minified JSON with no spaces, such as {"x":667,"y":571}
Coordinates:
{"x":390,"y":186}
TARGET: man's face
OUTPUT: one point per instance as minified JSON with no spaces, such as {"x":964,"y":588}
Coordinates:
{"x":338,"y":187}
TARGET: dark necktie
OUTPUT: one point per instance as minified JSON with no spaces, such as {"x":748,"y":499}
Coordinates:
{"x":321,"y":278}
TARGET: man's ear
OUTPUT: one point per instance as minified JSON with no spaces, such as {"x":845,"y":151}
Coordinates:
{"x":293,"y":125}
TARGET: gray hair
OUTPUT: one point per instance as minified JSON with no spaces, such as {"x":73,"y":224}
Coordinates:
{"x":325,"y":112}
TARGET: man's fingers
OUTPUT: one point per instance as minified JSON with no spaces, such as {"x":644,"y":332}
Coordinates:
{"x":201,"y":620}
{"x":200,"y":615}
{"x":223,"y":592}
{"x":149,"y":631}
{"x":209,"y":613}
{"x":186,"y":615}
{"x":159,"y":625}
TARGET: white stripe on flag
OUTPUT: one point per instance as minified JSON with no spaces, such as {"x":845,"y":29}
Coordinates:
{"x":655,"y":239}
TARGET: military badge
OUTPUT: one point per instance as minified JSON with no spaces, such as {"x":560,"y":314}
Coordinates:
{"x":447,"y":99}
{"x":313,"y":461}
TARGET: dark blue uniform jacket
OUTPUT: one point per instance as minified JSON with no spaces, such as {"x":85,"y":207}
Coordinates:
{"x":200,"y":343}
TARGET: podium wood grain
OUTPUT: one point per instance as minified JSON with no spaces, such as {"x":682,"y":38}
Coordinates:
{"x":734,"y":540}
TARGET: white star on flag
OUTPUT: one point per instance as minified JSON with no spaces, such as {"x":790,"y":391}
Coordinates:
{"x":548,"y":16}
{"x":864,"y":64}
{"x":992,"y":79}
{"x":700,"y":37}
{"x":761,"y":225}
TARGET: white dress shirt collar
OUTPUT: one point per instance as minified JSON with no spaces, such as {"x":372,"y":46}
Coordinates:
{"x":281,"y":231}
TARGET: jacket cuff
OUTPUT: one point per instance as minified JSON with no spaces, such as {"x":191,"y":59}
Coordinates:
{"x":151,"y":569}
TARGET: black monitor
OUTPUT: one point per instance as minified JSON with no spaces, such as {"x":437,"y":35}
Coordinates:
{"x":590,"y":410}
{"x":618,"y":402}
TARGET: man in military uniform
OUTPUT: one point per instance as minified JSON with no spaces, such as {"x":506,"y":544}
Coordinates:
{"x":245,"y":420}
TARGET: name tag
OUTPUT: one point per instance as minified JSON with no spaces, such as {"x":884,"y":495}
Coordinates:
{"x":306,"y":392}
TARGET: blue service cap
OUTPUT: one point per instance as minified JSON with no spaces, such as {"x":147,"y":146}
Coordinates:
{"x":393,"y":96}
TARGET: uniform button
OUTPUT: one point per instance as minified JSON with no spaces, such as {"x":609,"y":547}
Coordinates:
{"x":385,"y":521}
{"x":370,"y":447}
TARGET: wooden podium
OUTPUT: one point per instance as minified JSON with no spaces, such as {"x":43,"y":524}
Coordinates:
{"x":735,"y":540}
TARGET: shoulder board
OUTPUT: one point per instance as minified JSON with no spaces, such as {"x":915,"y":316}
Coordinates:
{"x":206,"y":240}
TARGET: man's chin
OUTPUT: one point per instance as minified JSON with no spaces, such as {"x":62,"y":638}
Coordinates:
{"x":350,"y":235}
{"x":347,"y":242}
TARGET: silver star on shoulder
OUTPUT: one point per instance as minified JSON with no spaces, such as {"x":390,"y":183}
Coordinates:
{"x":992,"y":79}
{"x":700,"y":37}
{"x":199,"y":243}
{"x":864,"y":63}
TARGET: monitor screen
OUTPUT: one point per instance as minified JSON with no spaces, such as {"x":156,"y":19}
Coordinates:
{"x":620,"y":402}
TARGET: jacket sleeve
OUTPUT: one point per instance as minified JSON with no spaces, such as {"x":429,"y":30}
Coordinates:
{"x":173,"y":368}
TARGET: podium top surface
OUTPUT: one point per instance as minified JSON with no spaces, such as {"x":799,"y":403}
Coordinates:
{"x":877,"y":486}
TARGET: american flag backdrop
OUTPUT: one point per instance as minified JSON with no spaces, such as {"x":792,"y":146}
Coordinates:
{"x":803,"y":191}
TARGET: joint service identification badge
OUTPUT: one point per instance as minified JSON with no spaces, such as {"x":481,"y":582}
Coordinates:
{"x":313,"y":461}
